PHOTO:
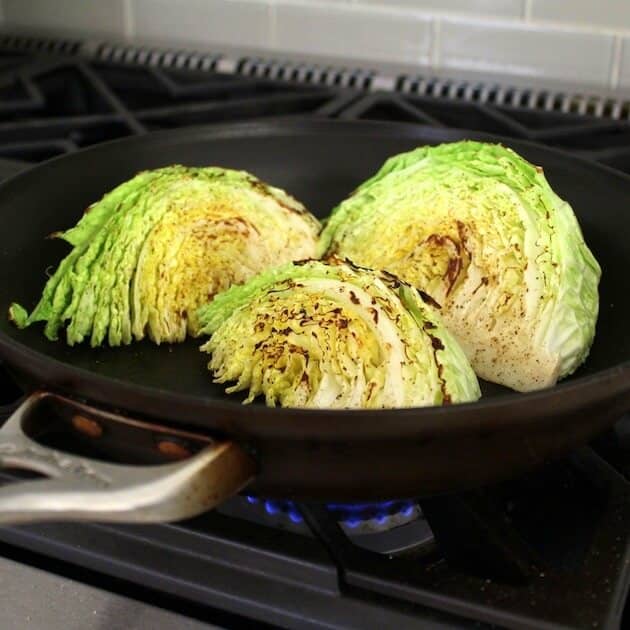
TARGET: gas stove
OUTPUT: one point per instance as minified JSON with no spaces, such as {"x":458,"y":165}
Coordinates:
{"x":548,"y":550}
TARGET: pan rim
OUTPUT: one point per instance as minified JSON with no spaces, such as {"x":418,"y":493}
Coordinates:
{"x":617,"y":376}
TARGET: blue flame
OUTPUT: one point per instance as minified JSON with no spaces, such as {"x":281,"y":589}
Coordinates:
{"x":272,"y":507}
{"x":361,"y":507}
{"x":350,"y":514}
{"x":352,"y":521}
{"x":407,"y":510}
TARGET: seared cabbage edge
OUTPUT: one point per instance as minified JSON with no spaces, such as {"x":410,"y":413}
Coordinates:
{"x":480,"y":229}
{"x":330,"y":335}
{"x":155,"y":248}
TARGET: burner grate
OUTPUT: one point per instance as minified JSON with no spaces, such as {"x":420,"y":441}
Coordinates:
{"x":49,"y":45}
{"x":384,"y":514}
{"x":142,"y":56}
{"x":386,"y":527}
{"x":114,"y":91}
{"x":516,"y":97}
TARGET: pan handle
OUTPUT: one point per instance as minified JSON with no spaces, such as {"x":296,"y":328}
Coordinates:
{"x":81,"y":489}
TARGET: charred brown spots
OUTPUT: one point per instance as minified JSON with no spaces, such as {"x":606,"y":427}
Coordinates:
{"x":337,"y":261}
{"x":374,"y":313}
{"x":446,"y":397}
{"x":427,"y":299}
{"x":237,"y":224}
{"x":299,"y":350}
{"x":265,"y":189}
{"x":246,"y":224}
{"x":353,"y":298}
{"x":259,"y":186}
{"x":452,"y":272}
{"x":456,"y":250}
{"x":484,"y":282}
{"x":436,"y":343}
{"x":370,"y":389}
{"x":391,"y":279}
{"x":439,"y":240}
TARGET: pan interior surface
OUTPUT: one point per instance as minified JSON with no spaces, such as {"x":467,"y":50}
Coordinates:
{"x":319,"y":163}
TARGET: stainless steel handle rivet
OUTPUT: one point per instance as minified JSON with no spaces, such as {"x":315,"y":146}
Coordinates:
{"x":87,"y":426}
{"x":173,"y":449}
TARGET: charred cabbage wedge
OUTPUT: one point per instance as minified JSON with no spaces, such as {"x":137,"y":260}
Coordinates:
{"x":481,"y":230}
{"x":327,"y":334}
{"x":154,"y":249}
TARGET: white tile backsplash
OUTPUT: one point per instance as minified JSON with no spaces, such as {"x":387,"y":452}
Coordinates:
{"x":502,"y":8}
{"x":567,"y":40}
{"x":610,"y":13}
{"x":244,"y":22}
{"x":624,"y":71}
{"x":78,"y":16}
{"x":352,"y":32}
{"x":523,"y":50}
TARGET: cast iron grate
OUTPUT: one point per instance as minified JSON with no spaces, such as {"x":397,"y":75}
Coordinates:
{"x":56,"y":103}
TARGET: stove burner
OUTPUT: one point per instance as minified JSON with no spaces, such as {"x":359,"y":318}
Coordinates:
{"x":51,"y":105}
{"x":387,"y":527}
{"x":355,"y":518}
{"x":286,"y":508}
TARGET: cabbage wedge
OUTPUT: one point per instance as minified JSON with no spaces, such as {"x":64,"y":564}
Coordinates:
{"x":327,"y":334}
{"x":155,"y":248}
{"x":480,"y":229}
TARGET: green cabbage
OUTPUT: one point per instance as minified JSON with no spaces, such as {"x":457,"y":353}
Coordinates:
{"x":154,"y":249}
{"x":330,"y":335}
{"x":481,"y":230}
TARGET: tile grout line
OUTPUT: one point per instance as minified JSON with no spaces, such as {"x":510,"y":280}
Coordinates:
{"x":128,"y":26}
{"x":615,"y":65}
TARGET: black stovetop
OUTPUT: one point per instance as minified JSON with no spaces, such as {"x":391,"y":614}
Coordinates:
{"x":548,"y":550}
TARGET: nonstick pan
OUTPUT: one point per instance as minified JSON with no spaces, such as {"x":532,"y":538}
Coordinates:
{"x":128,"y":402}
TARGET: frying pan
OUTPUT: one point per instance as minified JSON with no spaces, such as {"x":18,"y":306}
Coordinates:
{"x":139,"y":399}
